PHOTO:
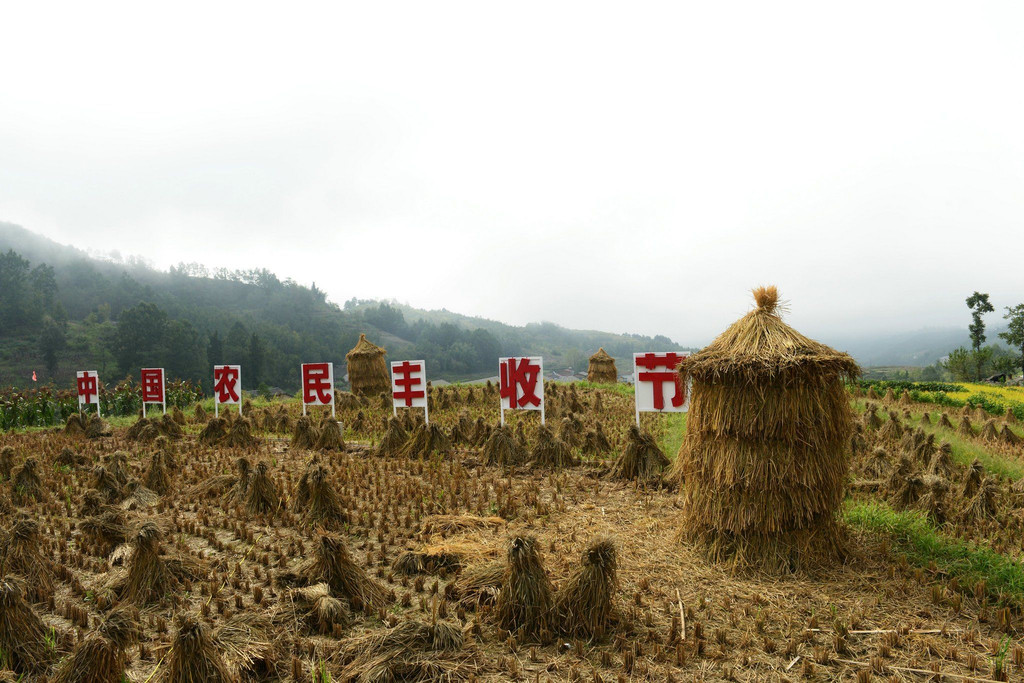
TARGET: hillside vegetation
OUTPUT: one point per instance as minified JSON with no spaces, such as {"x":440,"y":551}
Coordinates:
{"x":62,"y":310}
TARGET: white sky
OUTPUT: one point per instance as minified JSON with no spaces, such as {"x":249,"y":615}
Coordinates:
{"x":626,"y":167}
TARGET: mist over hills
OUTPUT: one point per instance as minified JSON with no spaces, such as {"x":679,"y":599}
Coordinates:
{"x":116,"y":314}
{"x":214,"y":315}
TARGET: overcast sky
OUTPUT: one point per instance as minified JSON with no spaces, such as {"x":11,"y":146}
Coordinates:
{"x":626,"y":167}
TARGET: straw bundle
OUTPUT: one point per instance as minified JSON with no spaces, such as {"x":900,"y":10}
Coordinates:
{"x":6,"y":461}
{"x":332,"y":564}
{"x":393,"y":439}
{"x":764,"y":454}
{"x":196,"y":655}
{"x":990,"y":430}
{"x":944,"y":422}
{"x":305,"y":434}
{"x":314,"y":608}
{"x":1009,"y":437}
{"x":26,"y":482}
{"x":595,"y":442}
{"x":525,"y":600}
{"x":367,"y":371}
{"x":412,"y":652}
{"x":329,"y":436}
{"x":601,"y":369}
{"x":550,"y":451}
{"x":263,"y":497}
{"x":22,"y":552}
{"x":585,"y":606}
{"x":501,"y":448}
{"x":22,"y":632}
{"x":101,"y":657}
{"x":1009,"y":417}
{"x":965,"y":428}
{"x":641,"y":459}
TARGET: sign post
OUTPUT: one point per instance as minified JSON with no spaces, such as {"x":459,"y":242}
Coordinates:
{"x":521,"y":384}
{"x":227,"y":387}
{"x":318,"y":385}
{"x":153,"y":388}
{"x":87,"y":384}
{"x":409,"y":385}
{"x":651,"y":373}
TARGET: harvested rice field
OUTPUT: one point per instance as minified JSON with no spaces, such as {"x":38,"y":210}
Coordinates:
{"x":277,"y":548}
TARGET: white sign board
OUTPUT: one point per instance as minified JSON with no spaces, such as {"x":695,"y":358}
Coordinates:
{"x":227,"y":387}
{"x":521,"y":384}
{"x":409,"y":385}
{"x":87,"y":383}
{"x":656,"y":383}
{"x":318,"y":385}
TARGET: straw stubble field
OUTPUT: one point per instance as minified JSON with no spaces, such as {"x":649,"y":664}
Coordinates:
{"x":273,"y":548}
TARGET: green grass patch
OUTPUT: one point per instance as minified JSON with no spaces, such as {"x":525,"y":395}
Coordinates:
{"x":673,"y":432}
{"x":913,"y":536}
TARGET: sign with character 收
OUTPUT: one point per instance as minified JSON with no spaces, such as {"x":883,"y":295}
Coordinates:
{"x":521,"y":384}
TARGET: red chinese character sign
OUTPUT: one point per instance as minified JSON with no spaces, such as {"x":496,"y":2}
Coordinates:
{"x":521,"y":384}
{"x":409,"y":386}
{"x":227,"y":387}
{"x":318,"y":385}
{"x":153,"y":390}
{"x":656,"y":384}
{"x":87,"y":383}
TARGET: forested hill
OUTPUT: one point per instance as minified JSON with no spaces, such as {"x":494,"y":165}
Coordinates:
{"x":62,"y":310}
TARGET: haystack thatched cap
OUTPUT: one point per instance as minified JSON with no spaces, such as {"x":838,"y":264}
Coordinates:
{"x":601,"y":355}
{"x":760,"y":344}
{"x":365,"y":347}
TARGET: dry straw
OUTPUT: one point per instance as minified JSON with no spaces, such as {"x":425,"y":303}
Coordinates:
{"x":367,"y":370}
{"x":764,"y":457}
{"x":601,"y":369}
{"x":641,"y":459}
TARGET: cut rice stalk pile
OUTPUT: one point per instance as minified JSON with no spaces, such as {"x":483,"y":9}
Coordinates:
{"x":22,"y":632}
{"x":412,"y":652}
{"x":764,"y":457}
{"x":333,"y":564}
{"x":585,"y":605}
{"x":641,"y":459}
{"x":524,"y":603}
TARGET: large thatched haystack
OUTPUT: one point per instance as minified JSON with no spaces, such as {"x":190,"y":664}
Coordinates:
{"x":367,"y":371}
{"x":764,"y":459}
{"x":601,"y":369}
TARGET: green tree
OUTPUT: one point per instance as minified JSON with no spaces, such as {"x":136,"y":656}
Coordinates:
{"x":959,"y":363}
{"x":1014,"y":335}
{"x":215,"y":350}
{"x":256,"y":357}
{"x":979,"y":305}
{"x":980,"y":359}
{"x":184,"y":355}
{"x":139,"y":338}
{"x":51,"y":342}
{"x":236,"y":345}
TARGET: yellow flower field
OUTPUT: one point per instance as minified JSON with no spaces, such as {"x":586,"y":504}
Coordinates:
{"x":1011,"y":393}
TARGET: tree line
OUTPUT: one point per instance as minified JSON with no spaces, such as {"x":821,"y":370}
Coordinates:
{"x":117,"y":318}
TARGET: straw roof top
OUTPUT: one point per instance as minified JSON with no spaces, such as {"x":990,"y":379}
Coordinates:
{"x":365,"y":347}
{"x":760,"y":344}
{"x":601,"y":355}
